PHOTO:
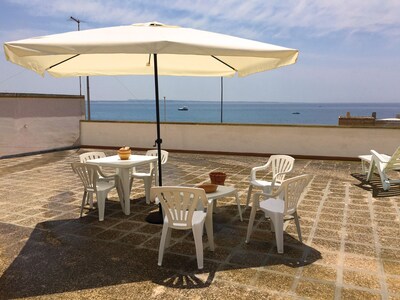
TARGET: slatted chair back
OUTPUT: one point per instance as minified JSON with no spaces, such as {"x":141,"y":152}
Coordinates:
{"x":292,"y":190}
{"x":179,"y":204}
{"x":89,"y":175}
{"x":281,"y":164}
{"x":84,"y":157}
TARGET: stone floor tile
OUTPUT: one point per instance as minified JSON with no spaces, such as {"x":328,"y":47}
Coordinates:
{"x":349,"y":250}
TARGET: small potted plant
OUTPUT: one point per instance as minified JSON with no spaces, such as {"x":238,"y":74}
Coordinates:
{"x":217,"y":178}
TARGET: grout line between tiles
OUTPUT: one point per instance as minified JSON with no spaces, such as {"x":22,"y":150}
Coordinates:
{"x":340,"y":262}
{"x":382,"y":277}
{"x":312,"y":232}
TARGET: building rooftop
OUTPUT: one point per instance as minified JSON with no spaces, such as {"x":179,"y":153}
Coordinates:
{"x":350,"y":249}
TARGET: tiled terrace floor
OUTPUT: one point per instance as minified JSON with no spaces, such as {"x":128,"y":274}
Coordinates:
{"x":351,"y":237}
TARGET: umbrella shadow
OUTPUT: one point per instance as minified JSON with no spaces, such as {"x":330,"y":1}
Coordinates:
{"x":69,"y":255}
{"x":47,"y":261}
{"x":375,"y":186}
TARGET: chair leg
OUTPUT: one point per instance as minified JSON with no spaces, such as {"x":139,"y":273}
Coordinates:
{"x":147,"y":187}
{"x":168,"y":238}
{"x":251,"y":222}
{"x":238,"y":205}
{"x":371,"y":170}
{"x":271,"y":223}
{"x":277,"y":220}
{"x":164,"y":234}
{"x":83,"y":202}
{"x":386,"y":185}
{"x":296,"y":220}
{"x":384,"y":180}
{"x":198,"y":240}
{"x":101,"y":203}
{"x":248,"y":196}
{"x":89,"y":199}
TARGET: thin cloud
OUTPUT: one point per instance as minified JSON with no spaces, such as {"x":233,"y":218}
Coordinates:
{"x":255,"y":18}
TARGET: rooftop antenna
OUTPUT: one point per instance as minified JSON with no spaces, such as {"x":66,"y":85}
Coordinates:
{"x":79,"y":28}
{"x":87,"y":77}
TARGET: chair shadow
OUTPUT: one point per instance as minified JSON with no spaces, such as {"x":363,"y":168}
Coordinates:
{"x":375,"y":186}
{"x":69,"y":255}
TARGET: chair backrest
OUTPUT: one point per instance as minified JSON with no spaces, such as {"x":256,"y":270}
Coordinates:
{"x":394,"y":162}
{"x":84,"y":157}
{"x":179,"y":203}
{"x":281,"y":164}
{"x":164,"y":155}
{"x":89,"y":174}
{"x":383,"y":163}
{"x":292,"y":189}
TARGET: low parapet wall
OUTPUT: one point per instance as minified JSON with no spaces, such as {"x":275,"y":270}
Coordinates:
{"x":39,"y":122}
{"x":297,"y":140}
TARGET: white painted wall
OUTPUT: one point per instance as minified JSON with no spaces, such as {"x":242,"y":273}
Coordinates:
{"x":329,"y":141}
{"x":36,"y":122}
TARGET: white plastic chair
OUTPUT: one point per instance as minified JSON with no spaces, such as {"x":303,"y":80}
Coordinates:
{"x":83,"y":158}
{"x":280,"y":165}
{"x":180,"y":206}
{"x":89,"y":174}
{"x":148,"y":176}
{"x":281,"y":203}
{"x":383,"y":164}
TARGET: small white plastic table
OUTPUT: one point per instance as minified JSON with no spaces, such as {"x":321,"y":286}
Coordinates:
{"x":123,"y":167}
{"x":224,"y":191}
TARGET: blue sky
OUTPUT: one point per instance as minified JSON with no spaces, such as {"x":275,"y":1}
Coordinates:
{"x":349,"y":49}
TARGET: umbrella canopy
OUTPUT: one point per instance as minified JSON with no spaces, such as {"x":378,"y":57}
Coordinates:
{"x":146,"y":48}
{"x":127,"y":50}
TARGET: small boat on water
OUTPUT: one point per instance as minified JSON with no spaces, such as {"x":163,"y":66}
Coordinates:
{"x":183,"y":108}
{"x":295,"y":113}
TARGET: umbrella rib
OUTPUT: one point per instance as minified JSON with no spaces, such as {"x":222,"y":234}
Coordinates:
{"x":61,"y":62}
{"x":221,"y":61}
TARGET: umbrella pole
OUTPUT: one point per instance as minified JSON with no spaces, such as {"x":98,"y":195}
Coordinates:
{"x":157,"y":216}
{"x":159,"y":140}
{"x":222,"y":98}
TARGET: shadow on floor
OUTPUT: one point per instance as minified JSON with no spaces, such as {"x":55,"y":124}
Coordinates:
{"x":375,"y":186}
{"x":52,"y":259}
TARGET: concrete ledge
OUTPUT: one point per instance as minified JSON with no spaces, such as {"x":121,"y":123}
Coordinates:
{"x":225,"y":153}
{"x":297,"y":140}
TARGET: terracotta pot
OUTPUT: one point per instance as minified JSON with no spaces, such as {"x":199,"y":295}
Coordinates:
{"x":217,"y":178}
{"x":124,"y":153}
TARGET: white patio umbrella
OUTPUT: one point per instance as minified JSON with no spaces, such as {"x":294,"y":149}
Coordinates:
{"x":147,"y":48}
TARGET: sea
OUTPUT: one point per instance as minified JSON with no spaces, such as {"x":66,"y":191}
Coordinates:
{"x":238,"y":112}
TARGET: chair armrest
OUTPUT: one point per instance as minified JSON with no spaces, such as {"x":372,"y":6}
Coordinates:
{"x":277,"y":193}
{"x":259,"y":168}
{"x":104,"y":177}
{"x":379,"y":157}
